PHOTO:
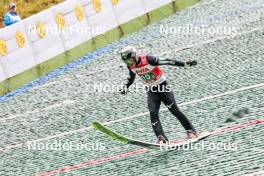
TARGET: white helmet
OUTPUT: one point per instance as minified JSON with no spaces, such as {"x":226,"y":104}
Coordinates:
{"x":129,"y":55}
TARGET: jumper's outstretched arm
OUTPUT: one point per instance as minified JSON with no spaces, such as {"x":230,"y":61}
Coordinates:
{"x":156,"y":61}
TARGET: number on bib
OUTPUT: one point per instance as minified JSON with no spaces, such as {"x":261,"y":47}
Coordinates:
{"x":147,"y":77}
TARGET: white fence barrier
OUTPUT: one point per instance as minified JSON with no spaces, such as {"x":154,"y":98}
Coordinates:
{"x":63,"y":27}
{"x":101,"y":19}
{"x":149,"y":5}
{"x":75,"y":30}
{"x":18,"y":56}
{"x":45,"y":42}
{"x":127,"y":10}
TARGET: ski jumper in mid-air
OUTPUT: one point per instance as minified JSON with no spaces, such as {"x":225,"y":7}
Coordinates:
{"x":147,"y":67}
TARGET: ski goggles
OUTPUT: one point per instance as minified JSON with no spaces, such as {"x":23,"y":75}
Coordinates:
{"x":127,"y":59}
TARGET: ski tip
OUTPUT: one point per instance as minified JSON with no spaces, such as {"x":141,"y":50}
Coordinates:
{"x":96,"y":125}
{"x":109,"y":132}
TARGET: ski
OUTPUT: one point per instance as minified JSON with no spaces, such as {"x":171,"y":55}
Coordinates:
{"x":126,"y":140}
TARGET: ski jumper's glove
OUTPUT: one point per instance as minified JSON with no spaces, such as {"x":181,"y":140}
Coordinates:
{"x":124,"y":89}
{"x":130,"y":80}
{"x":191,"y":63}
